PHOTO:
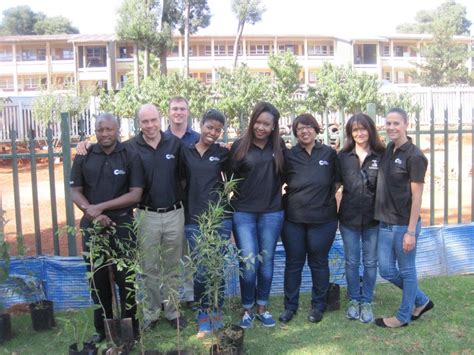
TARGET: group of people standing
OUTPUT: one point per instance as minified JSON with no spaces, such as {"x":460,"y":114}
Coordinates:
{"x":379,"y":210}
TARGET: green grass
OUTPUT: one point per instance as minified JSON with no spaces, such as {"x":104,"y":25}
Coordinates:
{"x":448,"y":328}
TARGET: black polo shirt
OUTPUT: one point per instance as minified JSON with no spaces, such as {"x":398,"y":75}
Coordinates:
{"x":104,"y":177}
{"x":161,"y":165}
{"x":310,"y":191}
{"x":259,"y":189}
{"x":357,"y":206}
{"x":397,"y":170}
{"x":203,"y":178}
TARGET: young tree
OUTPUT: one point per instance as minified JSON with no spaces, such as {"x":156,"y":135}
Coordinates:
{"x":246,"y":11}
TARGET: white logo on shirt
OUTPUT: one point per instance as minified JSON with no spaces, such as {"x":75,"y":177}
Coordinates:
{"x":119,"y":172}
{"x":214,"y":159}
{"x":323,"y":162}
{"x":374,"y":165}
{"x":170,"y":156}
{"x":398,"y":161}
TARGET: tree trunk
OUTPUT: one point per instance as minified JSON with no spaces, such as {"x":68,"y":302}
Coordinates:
{"x":146,"y":62}
{"x":240,"y":29}
{"x":163,"y":56}
{"x":186,"y":39}
{"x":136,"y":69}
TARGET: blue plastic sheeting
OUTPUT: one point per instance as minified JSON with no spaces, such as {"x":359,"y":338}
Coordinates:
{"x":441,"y":250}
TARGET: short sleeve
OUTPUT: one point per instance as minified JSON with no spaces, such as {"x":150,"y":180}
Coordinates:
{"x":76,"y":178}
{"x":416,"y":166}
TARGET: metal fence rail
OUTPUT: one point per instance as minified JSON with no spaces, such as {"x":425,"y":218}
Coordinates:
{"x":450,"y":167}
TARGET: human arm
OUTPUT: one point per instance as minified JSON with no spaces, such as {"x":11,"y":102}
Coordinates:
{"x":409,"y":239}
{"x":81,"y":148}
{"x":133,"y":196}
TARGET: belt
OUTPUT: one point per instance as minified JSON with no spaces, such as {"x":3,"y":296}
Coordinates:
{"x":174,"y":207}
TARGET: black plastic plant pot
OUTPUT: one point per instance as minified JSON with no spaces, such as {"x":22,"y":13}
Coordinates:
{"x":217,"y":350}
{"x":87,"y":349}
{"x":5,"y":327}
{"x":334,"y":297}
{"x":231,"y":340}
{"x":42,"y":315}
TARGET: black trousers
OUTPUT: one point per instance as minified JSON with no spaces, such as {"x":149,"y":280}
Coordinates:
{"x":100,"y":285}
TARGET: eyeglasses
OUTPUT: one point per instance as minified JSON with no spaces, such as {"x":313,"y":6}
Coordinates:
{"x":303,"y":128}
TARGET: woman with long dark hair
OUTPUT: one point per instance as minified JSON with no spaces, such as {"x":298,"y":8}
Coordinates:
{"x":397,"y":207}
{"x":359,"y":162}
{"x":257,"y":159}
{"x":311,"y":171}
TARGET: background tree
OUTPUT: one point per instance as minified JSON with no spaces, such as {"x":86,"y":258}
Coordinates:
{"x":54,"y":25}
{"x":21,"y":20}
{"x":250,"y":11}
{"x":445,"y":58}
{"x":195,"y":15}
{"x":285,"y":81}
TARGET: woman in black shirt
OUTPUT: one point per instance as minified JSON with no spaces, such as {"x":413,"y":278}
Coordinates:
{"x":204,"y":164}
{"x":311,"y":170}
{"x":359,"y":162}
{"x":257,"y":159}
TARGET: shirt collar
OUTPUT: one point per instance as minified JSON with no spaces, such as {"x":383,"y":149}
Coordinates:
{"x":97,"y":148}
{"x":299,"y":147}
{"x":141,"y":140}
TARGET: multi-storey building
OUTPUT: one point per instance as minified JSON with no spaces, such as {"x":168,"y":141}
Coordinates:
{"x":29,"y":62}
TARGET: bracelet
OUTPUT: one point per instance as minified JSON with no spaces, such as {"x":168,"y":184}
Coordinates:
{"x":411,"y":233}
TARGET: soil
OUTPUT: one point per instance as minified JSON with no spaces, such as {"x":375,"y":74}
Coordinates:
{"x":7,"y":197}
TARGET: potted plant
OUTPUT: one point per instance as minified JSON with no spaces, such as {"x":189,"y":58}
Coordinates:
{"x":74,"y":325}
{"x":212,"y":255}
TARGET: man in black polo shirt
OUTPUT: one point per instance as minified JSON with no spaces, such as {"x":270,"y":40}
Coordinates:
{"x":106,"y":185}
{"x":161,"y":216}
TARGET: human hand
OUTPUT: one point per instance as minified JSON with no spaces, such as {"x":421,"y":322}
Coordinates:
{"x":104,"y":221}
{"x":82,"y":147}
{"x":409,"y":242}
{"x":93,"y":211}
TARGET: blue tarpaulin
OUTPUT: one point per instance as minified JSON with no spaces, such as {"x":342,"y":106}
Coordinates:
{"x":442,"y":250}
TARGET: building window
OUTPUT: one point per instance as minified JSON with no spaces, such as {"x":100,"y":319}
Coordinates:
{"x":208,"y":78}
{"x":365,"y":54}
{"x":6,"y":54}
{"x":6,"y":83}
{"x":33,"y":83}
{"x":282,"y":48}
{"x":312,"y":77}
{"x":33,"y":54}
{"x":219,"y":49}
{"x":404,"y":51}
{"x":386,"y":51}
{"x":207,"y":50}
{"x":387,"y":76}
{"x":92,"y":57}
{"x":63,"y":54}
{"x":64,"y":82}
{"x":230,"y":49}
{"x":320,"y":49}
{"x":259,"y":49}
{"x":125,"y":52}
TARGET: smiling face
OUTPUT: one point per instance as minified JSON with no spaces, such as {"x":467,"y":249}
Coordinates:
{"x":210,"y":132}
{"x":149,"y":121}
{"x":106,"y":132}
{"x":178,"y":112}
{"x":396,"y":127}
{"x":306,"y":134}
{"x":360,"y":134}
{"x":263,"y":126}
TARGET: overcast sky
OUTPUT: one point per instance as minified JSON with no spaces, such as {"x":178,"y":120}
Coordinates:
{"x":336,"y":17}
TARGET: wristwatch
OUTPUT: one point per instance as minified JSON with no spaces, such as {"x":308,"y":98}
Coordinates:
{"x":411,"y":233}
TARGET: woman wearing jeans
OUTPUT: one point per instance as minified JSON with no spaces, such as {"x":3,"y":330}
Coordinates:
{"x":203,"y":165}
{"x":397,"y":207}
{"x":257,"y":159}
{"x":311,"y":171}
{"x":359,"y":162}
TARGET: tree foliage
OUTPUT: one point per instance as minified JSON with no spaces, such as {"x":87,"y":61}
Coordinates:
{"x":21,"y":20}
{"x":286,"y":81}
{"x":450,"y":13}
{"x":246,"y":11}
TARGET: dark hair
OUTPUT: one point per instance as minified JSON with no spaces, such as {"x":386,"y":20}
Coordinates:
{"x":400,"y":111}
{"x":306,"y":119}
{"x":177,"y":99}
{"x":247,"y":138}
{"x":213,"y":114}
{"x":368,"y":123}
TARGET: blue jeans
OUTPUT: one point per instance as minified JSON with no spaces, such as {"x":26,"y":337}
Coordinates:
{"x":191,"y":231}
{"x":256,"y":236}
{"x":352,"y":245}
{"x":313,"y":241}
{"x":390,"y":254}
